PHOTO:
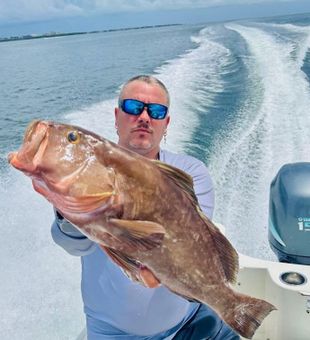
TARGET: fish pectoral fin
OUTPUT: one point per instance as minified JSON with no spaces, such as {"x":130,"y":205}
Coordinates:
{"x":136,"y":234}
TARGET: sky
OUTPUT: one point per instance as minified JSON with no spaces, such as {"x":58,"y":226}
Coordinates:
{"x":19,"y":17}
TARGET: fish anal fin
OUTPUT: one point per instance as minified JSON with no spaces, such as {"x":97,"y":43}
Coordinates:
{"x":136,"y":235}
{"x":226,"y":252}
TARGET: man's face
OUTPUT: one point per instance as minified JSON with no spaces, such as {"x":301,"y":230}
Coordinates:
{"x":141,"y":133}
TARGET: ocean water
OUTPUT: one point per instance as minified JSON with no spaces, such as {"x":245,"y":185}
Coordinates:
{"x":240,"y":99}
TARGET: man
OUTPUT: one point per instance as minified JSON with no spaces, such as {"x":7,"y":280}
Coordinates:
{"x":115,"y":307}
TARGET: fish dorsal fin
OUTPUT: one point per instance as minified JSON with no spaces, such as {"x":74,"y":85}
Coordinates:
{"x":227,"y":253}
{"x":180,"y":178}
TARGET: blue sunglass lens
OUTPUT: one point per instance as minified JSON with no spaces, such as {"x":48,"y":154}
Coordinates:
{"x":132,"y":107}
{"x":136,"y":107}
{"x":157,"y":111}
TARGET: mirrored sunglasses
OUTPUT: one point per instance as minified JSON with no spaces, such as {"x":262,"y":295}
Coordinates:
{"x":135,"y":107}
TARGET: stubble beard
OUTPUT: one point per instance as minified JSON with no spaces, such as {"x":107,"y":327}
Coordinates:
{"x":140,"y":146}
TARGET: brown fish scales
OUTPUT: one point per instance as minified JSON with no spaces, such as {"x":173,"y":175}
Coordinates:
{"x":141,"y":212}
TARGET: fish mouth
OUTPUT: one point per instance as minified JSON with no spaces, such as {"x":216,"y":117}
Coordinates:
{"x":34,"y":145}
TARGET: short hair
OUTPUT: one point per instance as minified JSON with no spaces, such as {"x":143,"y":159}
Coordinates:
{"x":149,"y":80}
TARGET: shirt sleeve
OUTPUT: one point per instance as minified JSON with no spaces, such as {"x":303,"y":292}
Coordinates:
{"x":203,"y":186}
{"x":70,"y":238}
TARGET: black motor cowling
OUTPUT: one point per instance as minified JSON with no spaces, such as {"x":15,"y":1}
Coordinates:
{"x":289,"y":213}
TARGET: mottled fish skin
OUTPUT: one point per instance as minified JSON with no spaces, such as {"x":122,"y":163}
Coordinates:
{"x":142,"y":213}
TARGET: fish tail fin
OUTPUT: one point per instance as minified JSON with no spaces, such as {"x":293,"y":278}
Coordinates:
{"x":248,"y":315}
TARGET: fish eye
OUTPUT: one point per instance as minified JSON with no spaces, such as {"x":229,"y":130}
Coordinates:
{"x":73,"y":137}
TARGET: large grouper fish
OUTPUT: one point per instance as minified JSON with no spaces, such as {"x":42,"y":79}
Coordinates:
{"x":143,"y":213}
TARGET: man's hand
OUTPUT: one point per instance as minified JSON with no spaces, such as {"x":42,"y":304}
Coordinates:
{"x":148,"y":278}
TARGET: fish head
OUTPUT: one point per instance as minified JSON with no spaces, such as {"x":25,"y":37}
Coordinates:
{"x":61,"y":160}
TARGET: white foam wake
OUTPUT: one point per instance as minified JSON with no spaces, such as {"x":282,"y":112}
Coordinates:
{"x":245,"y":162}
{"x":34,"y":281}
{"x":303,"y":42}
{"x":193,"y":80}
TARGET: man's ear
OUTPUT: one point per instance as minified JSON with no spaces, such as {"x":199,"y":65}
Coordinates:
{"x":168,"y":121}
{"x":116,"y":111}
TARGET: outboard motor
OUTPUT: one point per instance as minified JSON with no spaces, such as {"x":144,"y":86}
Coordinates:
{"x":289,"y":213}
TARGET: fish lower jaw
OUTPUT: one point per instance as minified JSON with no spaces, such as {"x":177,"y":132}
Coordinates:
{"x":27,"y":167}
{"x":11,"y":157}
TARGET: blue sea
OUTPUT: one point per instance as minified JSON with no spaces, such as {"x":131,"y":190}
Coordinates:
{"x":240,"y":102}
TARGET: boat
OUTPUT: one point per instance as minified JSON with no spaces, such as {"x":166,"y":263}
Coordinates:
{"x":285,"y":284}
{"x":287,"y":287}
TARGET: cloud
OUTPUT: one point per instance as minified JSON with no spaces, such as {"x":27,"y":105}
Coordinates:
{"x":35,"y":10}
{"x":32,"y":10}
{"x":146,"y":5}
